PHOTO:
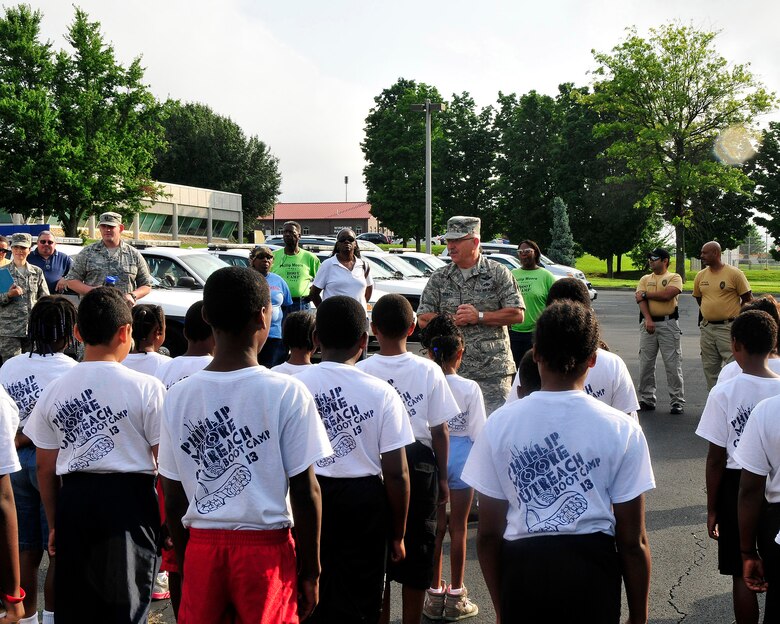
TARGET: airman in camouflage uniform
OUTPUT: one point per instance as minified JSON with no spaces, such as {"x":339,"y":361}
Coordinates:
{"x":110,"y":257}
{"x":15,"y":304}
{"x":484,"y":299}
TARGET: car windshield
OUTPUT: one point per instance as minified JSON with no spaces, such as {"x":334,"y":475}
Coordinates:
{"x":202,"y":264}
{"x":544,"y":259}
{"x":378,"y":271}
{"x":394,"y":263}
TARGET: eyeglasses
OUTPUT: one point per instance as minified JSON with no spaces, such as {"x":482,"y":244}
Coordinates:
{"x":45,"y":242}
{"x":525,"y":252}
{"x":653,"y":258}
{"x":346,"y":239}
{"x":263,"y":257}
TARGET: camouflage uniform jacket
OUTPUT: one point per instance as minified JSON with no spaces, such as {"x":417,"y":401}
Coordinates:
{"x":15,"y":311}
{"x":93,"y":264}
{"x":489,"y":287}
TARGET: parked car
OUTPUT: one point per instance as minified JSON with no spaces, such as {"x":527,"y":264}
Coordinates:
{"x":375,"y":237}
{"x":394,"y":264}
{"x":423,"y":262}
{"x":236,"y":255}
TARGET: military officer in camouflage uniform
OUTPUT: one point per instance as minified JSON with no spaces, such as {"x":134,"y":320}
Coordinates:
{"x":484,"y":299}
{"x":29,"y":285}
{"x":110,"y":257}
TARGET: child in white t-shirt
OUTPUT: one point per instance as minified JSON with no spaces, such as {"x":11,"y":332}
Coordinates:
{"x":608,"y":380}
{"x":443,"y":342}
{"x":728,"y":408}
{"x":369,"y":430}
{"x":297,"y":337}
{"x":12,"y":592}
{"x":96,"y":428}
{"x":24,"y":377}
{"x":561,"y":480}
{"x":430,"y":405}
{"x":759,"y":503}
{"x":235,"y":439}
{"x":148,"y":337}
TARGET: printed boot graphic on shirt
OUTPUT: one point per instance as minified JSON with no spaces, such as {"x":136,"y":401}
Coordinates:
{"x":342,"y":445}
{"x":87,"y":427}
{"x":217,"y":482}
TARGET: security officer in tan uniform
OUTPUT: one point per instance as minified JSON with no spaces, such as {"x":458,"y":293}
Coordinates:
{"x":720,"y":290}
{"x":28,"y":286}
{"x":110,"y":257}
{"x":484,"y":299}
{"x":657,"y":295}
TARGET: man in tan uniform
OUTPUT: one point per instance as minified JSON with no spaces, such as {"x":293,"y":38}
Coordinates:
{"x":657,"y":295}
{"x":720,"y":290}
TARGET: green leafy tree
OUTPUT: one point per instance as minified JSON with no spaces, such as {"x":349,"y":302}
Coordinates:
{"x":527,"y":145}
{"x":753,"y":243}
{"x":764,"y":170}
{"x":208,"y":150}
{"x":109,"y":126}
{"x":465,"y":161}
{"x":669,"y":96}
{"x":394,"y":149}
{"x":561,"y":249}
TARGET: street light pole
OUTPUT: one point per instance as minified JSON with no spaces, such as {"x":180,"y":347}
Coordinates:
{"x":428,"y":107}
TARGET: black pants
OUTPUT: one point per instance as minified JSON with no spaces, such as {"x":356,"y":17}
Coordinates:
{"x":560,"y":578}
{"x":520,"y":342}
{"x":107,"y":535}
{"x":273,"y":353}
{"x":353,"y":548}
{"x":769,"y":550}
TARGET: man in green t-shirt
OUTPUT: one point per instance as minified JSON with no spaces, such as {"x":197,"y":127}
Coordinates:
{"x":534,"y":283}
{"x":295,"y":266}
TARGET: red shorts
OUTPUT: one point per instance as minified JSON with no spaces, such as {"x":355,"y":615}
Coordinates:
{"x":239,"y":577}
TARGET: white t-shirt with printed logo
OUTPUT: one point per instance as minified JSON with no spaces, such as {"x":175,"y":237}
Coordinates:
{"x":291,"y":369}
{"x":608,"y":381}
{"x":468,"y":396}
{"x":25,"y":376}
{"x":146,"y":363}
{"x":102,"y":416}
{"x":363,"y":416}
{"x":759,"y":446}
{"x":178,"y":368}
{"x":9,"y":423}
{"x":336,"y":279}
{"x":233,"y":439}
{"x":561,"y":460}
{"x":422,"y":386}
{"x":728,"y":409}
{"x":732,"y":369}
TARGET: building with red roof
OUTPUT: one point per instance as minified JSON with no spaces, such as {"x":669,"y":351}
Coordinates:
{"x":321,"y":218}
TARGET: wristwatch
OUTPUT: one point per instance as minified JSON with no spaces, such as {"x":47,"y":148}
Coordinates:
{"x":480,"y":317}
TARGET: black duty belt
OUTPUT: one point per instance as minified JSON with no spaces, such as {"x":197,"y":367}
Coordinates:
{"x":723,"y":322}
{"x":669,"y":317}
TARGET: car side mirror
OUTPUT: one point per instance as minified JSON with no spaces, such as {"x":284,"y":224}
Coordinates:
{"x":187,"y":282}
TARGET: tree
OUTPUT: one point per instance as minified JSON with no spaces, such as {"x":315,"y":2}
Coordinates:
{"x":394,"y":149}
{"x":670,"y":96}
{"x":465,"y":160}
{"x":754,"y":243}
{"x":208,"y":150}
{"x":561,"y":250}
{"x":764,"y":170}
{"x":527,"y":139}
{"x":78,"y":131}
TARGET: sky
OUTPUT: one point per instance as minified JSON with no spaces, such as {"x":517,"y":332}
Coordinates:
{"x":302,"y":75}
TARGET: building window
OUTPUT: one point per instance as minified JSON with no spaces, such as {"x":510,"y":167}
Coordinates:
{"x":280,"y":231}
{"x":358,"y":230}
{"x":305,"y":230}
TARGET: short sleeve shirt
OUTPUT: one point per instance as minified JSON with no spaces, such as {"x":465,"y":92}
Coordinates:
{"x":759,"y":447}
{"x":235,"y":451}
{"x":561,"y":460}
{"x":488,"y":287}
{"x":54,"y":268}
{"x":468,"y":395}
{"x":102,"y":417}
{"x":297,"y":270}
{"x":720,"y":292}
{"x":280,"y":296}
{"x":9,"y":422}
{"x":728,"y":409}
{"x":534,"y":287}
{"x":363,"y":416}
{"x":654,"y":283}
{"x":334,"y":278}
{"x":93,"y":264}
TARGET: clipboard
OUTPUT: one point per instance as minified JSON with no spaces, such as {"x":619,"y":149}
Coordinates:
{"x":6,"y":281}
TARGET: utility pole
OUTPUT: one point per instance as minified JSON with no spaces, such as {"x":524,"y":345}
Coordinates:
{"x":428,"y":107}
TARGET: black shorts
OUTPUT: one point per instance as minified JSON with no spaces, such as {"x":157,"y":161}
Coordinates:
{"x":561,"y":578}
{"x":416,"y":570}
{"x":769,"y":549}
{"x":353,"y":548}
{"x":729,"y":556}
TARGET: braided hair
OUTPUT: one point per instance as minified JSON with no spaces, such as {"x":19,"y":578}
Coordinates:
{"x":51,"y":323}
{"x":147,"y":319}
{"x":442,"y":339}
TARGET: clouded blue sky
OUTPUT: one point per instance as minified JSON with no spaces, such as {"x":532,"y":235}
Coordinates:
{"x":302,"y":75}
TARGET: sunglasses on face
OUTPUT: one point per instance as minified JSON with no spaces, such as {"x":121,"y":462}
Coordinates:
{"x":264,"y":257}
{"x":525,"y":252}
{"x":346,"y":239}
{"x":45,"y":242}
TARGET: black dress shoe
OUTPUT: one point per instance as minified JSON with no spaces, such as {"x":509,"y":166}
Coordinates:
{"x":646,"y":407}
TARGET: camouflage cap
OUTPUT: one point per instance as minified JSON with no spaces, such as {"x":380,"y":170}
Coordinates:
{"x":460,"y":227}
{"x":110,"y":218}
{"x":20,"y":239}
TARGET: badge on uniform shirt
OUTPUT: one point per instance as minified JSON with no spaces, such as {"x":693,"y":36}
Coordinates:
{"x":722,"y":285}
{"x":664,"y":282}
